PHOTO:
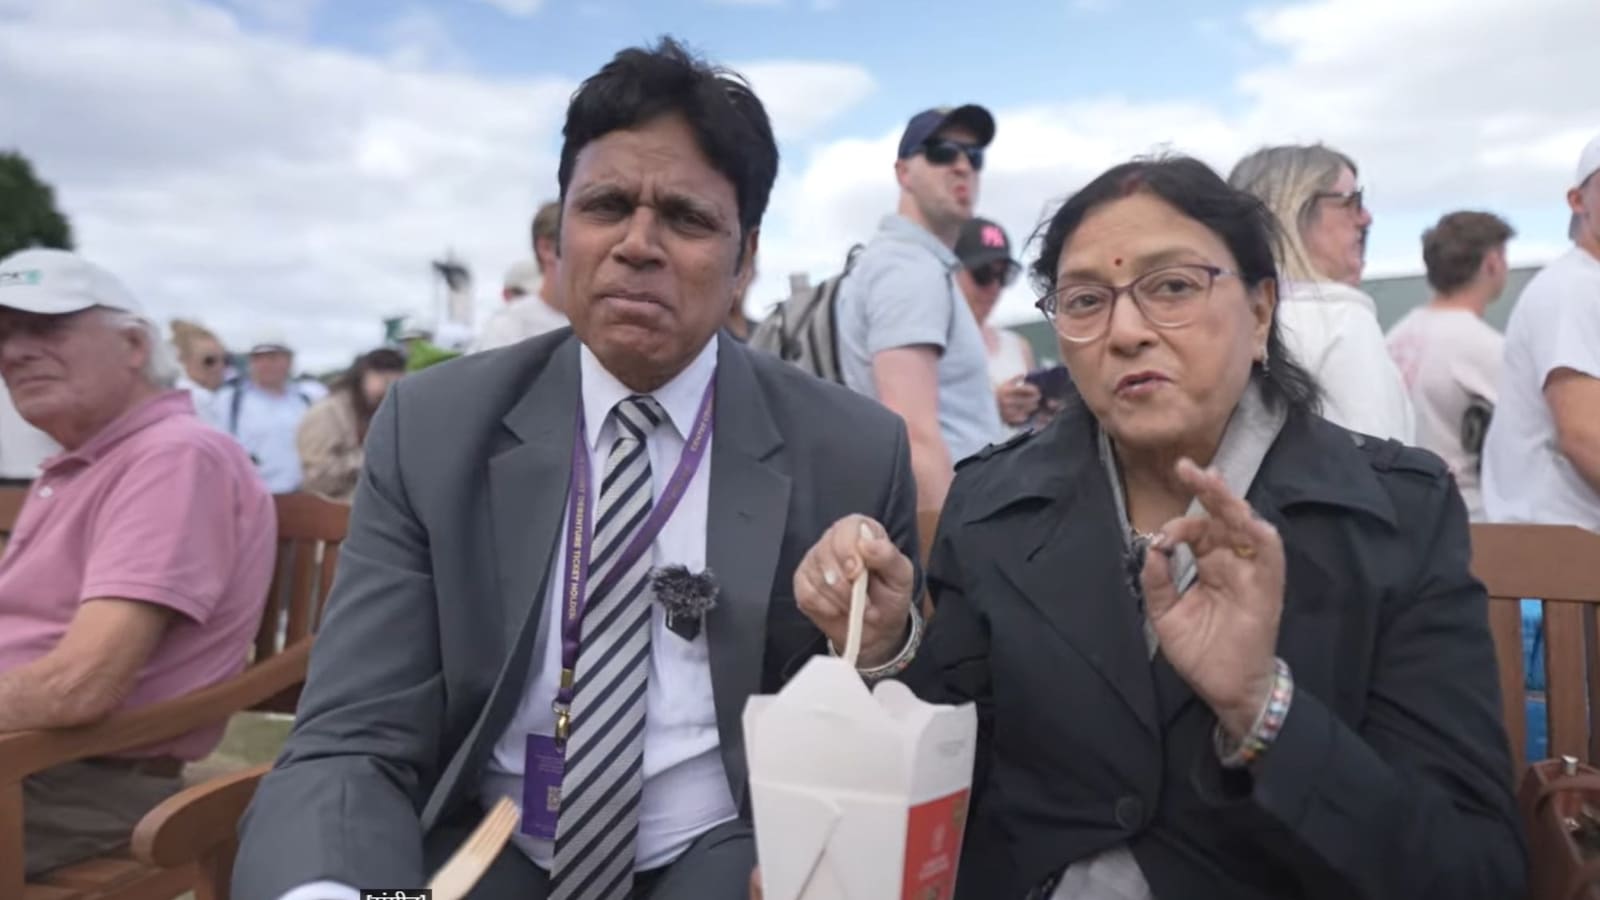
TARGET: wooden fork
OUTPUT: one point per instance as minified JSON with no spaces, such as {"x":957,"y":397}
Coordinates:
{"x":462,"y":871}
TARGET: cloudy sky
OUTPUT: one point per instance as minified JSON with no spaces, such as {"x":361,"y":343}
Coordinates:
{"x":296,"y":164}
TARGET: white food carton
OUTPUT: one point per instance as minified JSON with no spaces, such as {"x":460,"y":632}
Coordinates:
{"x":858,"y":794}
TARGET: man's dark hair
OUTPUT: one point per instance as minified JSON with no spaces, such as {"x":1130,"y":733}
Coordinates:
{"x":1453,"y":250}
{"x":727,"y":118}
{"x":1238,"y":217}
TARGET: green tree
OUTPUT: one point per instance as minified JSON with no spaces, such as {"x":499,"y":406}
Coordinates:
{"x":28,"y":214}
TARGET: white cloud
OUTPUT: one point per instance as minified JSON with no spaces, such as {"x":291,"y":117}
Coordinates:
{"x":292,"y":16}
{"x":1444,"y":105}
{"x":245,"y":179}
{"x":418,"y":38}
{"x":519,"y":8}
{"x":803,"y":96}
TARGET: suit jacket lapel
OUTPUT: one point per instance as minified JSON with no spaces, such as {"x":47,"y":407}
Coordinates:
{"x":747,"y":512}
{"x":1073,"y":571}
{"x":527,"y":484}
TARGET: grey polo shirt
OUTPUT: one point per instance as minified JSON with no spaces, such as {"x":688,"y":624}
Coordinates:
{"x":902,"y":292}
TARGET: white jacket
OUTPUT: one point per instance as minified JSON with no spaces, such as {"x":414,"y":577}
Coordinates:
{"x":1332,"y":329}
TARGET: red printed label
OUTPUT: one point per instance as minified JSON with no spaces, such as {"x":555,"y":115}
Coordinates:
{"x":933,"y":847}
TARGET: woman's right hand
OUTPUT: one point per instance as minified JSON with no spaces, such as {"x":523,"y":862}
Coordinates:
{"x":824,"y":578}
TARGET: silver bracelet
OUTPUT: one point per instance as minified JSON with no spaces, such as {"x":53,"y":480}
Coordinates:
{"x":901,"y":660}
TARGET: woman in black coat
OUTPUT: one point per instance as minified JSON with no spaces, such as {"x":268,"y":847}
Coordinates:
{"x":1268,"y":677}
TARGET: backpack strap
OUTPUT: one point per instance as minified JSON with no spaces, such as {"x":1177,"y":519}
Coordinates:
{"x":234,"y":403}
{"x":237,"y":401}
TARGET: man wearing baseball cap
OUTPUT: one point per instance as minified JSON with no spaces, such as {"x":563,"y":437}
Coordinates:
{"x":906,"y":335}
{"x":139,"y":566}
{"x":987,"y":268}
{"x":1541,"y":460}
{"x":263,"y":409}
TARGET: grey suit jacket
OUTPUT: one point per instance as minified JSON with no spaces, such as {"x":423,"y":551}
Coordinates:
{"x":424,"y":647}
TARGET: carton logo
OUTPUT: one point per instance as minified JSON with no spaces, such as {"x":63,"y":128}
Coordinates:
{"x":933,"y":847}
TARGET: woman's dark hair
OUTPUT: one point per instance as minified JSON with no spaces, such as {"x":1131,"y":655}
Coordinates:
{"x":382,"y":359}
{"x":725,"y":115}
{"x":1246,"y":225}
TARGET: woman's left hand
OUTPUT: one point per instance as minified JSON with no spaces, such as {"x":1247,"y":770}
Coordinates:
{"x":1221,"y":635}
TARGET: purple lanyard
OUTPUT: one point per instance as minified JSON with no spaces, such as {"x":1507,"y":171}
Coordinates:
{"x":580,"y":533}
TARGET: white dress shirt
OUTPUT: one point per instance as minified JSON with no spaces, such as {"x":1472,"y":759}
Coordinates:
{"x":685,"y":786}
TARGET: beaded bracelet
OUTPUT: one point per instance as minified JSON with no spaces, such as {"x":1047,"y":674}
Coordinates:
{"x":901,"y":660}
{"x":1240,"y":754}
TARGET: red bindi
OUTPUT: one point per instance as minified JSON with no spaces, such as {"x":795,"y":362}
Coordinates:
{"x":1118,"y":261}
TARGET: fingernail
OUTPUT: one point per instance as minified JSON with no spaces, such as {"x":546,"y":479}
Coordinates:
{"x":830,"y":578}
{"x":866,"y":531}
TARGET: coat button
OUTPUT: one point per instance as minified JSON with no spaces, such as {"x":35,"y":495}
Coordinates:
{"x":1130,"y":812}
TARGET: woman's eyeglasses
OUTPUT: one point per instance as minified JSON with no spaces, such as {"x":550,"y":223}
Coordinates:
{"x":943,"y":152}
{"x":1351,"y":200}
{"x":1169,"y":297}
{"x":1005,"y":273}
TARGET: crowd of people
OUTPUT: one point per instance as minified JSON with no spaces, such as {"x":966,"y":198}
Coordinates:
{"x":1207,"y":582}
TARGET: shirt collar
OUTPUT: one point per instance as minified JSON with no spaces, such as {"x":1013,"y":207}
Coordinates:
{"x":680,"y":397}
{"x":901,"y":228}
{"x":160,"y":407}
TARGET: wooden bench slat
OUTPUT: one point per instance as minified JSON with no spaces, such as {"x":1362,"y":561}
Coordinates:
{"x":1505,"y":626}
{"x":1566,"y":679}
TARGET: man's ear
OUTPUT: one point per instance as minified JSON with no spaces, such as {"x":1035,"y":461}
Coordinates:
{"x":746,"y":271}
{"x":902,"y":173}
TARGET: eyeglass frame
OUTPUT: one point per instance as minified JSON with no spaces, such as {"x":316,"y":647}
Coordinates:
{"x":1212,"y":272}
{"x":1353,"y":200}
{"x":973,"y":152}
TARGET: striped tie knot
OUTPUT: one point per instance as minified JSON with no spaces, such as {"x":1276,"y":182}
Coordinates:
{"x":640,"y":414}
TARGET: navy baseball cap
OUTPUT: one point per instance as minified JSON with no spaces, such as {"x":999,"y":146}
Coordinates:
{"x":929,"y":122}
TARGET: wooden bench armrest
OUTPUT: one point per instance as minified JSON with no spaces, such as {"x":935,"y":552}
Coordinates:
{"x":23,"y":753}
{"x":186,"y":826}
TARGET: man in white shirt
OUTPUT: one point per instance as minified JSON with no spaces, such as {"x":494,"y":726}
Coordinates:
{"x":568,"y":568}
{"x":1448,"y":356}
{"x":532,"y":301}
{"x":263,"y":411}
{"x":1541,"y":462}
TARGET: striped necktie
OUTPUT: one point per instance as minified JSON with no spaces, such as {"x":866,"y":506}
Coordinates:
{"x":599,"y":818}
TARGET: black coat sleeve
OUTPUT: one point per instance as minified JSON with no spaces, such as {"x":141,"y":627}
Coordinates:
{"x":1415,"y":800}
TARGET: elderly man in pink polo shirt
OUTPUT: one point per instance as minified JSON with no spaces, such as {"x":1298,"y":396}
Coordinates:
{"x":140,"y":563}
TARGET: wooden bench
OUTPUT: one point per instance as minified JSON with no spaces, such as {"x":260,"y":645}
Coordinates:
{"x":1558,"y":565}
{"x":10,"y":508}
{"x":310,"y":530}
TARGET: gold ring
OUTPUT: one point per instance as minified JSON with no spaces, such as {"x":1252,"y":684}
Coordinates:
{"x":1243,"y":551}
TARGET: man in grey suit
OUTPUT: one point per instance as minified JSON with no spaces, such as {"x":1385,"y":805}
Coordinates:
{"x":571,"y":560}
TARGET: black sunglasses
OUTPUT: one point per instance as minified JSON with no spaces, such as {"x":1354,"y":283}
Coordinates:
{"x":1005,"y":273}
{"x":943,"y":152}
